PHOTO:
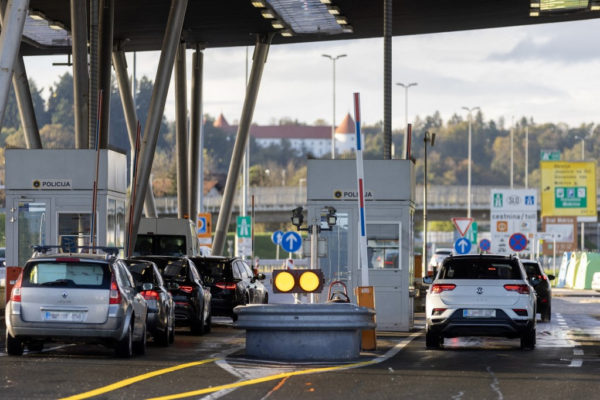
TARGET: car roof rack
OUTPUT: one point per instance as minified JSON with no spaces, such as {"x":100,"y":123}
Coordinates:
{"x":57,"y":249}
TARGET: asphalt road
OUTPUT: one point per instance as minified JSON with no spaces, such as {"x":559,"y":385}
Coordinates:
{"x":564,"y":365}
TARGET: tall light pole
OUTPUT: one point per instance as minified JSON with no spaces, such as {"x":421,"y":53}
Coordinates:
{"x":470,"y":111}
{"x":582,"y":138}
{"x":333,"y":59}
{"x":406,"y":87}
{"x":428,"y":138}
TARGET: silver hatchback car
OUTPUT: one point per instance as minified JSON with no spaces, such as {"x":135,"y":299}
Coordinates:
{"x":75,"y":297}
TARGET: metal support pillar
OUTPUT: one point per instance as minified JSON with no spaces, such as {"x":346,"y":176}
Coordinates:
{"x":157,"y":105}
{"x":195,"y":159}
{"x":105,"y":37}
{"x":258,"y":62}
{"x":181,"y":132}
{"x":80,"y":72}
{"x":23,"y":95}
{"x":10,"y":42}
{"x":93,"y":90}
{"x":120,"y":66}
{"x":387,"y":79}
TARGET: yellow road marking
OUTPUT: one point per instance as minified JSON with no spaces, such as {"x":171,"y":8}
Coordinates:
{"x":263,"y":379}
{"x":129,"y":381}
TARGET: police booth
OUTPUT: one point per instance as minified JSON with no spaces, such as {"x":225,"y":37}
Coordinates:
{"x":49,"y":200}
{"x":389,"y":195}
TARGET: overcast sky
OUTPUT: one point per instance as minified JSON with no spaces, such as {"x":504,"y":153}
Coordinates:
{"x":550,"y":72}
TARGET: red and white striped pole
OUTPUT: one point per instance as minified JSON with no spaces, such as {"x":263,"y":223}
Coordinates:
{"x":360,"y":176}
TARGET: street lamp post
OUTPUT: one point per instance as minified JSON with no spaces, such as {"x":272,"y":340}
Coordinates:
{"x":429,"y":138}
{"x":333,"y":59}
{"x":405,"y":142}
{"x":469,"y":110}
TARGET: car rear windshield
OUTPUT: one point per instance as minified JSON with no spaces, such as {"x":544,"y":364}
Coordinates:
{"x":176,"y":271}
{"x":141,"y":273}
{"x":67,"y":275}
{"x":215,"y":271}
{"x":164,"y":245}
{"x":532,"y":269}
{"x":480,"y":268}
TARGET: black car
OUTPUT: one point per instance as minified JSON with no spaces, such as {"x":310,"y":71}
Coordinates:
{"x":541,"y":283}
{"x":161,"y":308}
{"x":192,"y":298}
{"x":232,"y":283}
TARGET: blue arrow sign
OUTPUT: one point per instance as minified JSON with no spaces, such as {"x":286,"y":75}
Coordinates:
{"x":485,"y":245}
{"x":291,"y":241}
{"x":462,"y":246}
{"x":276,"y":237}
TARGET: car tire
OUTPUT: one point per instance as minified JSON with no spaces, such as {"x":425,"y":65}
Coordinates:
{"x":546,"y":314}
{"x":266,"y":300}
{"x":14,"y":346}
{"x":432,"y":340}
{"x":139,"y":347}
{"x":208,"y":324}
{"x":162,"y":337}
{"x":528,"y":339}
{"x":171,"y":332}
{"x":124,"y":347}
{"x":197,"y":327}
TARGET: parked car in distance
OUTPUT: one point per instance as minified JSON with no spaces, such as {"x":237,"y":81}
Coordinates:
{"x":232,"y":283}
{"x":75,"y":297}
{"x":436,"y":260}
{"x":596,"y":281}
{"x":541,"y":283}
{"x":161,"y":308}
{"x":480,"y":295}
{"x":191,"y":295}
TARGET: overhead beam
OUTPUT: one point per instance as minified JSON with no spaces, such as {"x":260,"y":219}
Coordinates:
{"x":105,"y":38}
{"x":387,"y":79}
{"x":258,"y":63}
{"x":81,"y":78}
{"x":93,"y":91}
{"x":181,"y":132}
{"x":196,"y":152}
{"x":157,"y":106}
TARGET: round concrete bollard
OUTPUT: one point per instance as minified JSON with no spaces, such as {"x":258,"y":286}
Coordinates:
{"x":304,"y":332}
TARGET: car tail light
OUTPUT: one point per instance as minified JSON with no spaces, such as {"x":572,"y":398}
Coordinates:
{"x":115,"y":294}
{"x":521,"y":289}
{"x":442,"y":287}
{"x":521,"y":312}
{"x":544,"y":300}
{"x":15,"y":295}
{"x":226,"y":285}
{"x":150,"y":295}
{"x":187,"y":289}
{"x":438,"y":311}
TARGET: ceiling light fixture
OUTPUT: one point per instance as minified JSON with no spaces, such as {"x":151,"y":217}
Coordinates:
{"x":287,"y":33}
{"x":37,"y":15}
{"x":56,"y":25}
{"x":259,"y":3}
{"x":333,"y":10}
{"x":267,"y":14}
{"x":341,"y":20}
{"x":326,"y":1}
{"x":277,"y":24}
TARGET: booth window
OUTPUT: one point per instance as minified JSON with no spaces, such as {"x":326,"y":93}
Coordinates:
{"x":73,"y":229}
{"x":383,"y":246}
{"x":31,"y":227}
{"x":111,"y":222}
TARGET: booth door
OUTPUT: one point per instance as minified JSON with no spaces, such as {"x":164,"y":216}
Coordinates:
{"x":30,"y":226}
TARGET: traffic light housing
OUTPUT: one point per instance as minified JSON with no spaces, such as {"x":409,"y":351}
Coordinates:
{"x":298,"y":281}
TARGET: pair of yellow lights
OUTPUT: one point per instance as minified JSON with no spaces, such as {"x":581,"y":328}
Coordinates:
{"x":297,"y":281}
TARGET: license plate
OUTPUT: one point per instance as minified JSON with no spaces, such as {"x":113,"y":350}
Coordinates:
{"x":64,"y":316}
{"x":479,"y":313}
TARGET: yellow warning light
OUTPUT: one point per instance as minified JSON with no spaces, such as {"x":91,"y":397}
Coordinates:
{"x":309,"y":281}
{"x":284,"y":281}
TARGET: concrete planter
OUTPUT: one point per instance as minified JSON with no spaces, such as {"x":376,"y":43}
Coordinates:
{"x":304,"y":332}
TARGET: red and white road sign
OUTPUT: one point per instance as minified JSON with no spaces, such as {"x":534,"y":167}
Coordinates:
{"x":462,"y":224}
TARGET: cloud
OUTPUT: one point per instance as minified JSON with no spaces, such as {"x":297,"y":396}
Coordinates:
{"x":575,"y":43}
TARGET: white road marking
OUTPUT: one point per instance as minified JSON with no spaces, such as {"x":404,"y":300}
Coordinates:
{"x":576,"y":363}
{"x":495,"y":385}
{"x":577,"y":352}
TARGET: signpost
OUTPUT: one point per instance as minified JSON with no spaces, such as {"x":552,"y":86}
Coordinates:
{"x":517,"y":242}
{"x":512,"y":211}
{"x":291,"y":241}
{"x":276,"y":239}
{"x":462,"y":224}
{"x":485,"y":245}
{"x":462,"y":246}
{"x":243,"y":235}
{"x":549,"y":155}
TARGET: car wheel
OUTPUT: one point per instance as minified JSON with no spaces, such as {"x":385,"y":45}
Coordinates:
{"x":528,"y":339}
{"x":139,"y":347}
{"x":162,"y":337}
{"x":124,"y":346}
{"x":35,"y":346}
{"x":433,"y":340}
{"x":266,"y":300}
{"x":14,"y":346}
{"x":197,"y":327}
{"x":171,"y":332}
{"x":208,"y":324}
{"x":546,"y":314}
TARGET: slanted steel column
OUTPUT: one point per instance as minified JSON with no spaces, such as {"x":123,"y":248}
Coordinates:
{"x":181,"y":132}
{"x":120,"y":66}
{"x":80,"y":72}
{"x":10,"y":42}
{"x":157,"y":105}
{"x":105,"y":37}
{"x":23,"y":95}
{"x":258,"y":63}
{"x":93,"y":91}
{"x":195,"y":159}
{"x":387,"y":79}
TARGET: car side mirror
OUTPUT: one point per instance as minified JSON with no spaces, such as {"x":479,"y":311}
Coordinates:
{"x":147,"y":286}
{"x":172,"y":286}
{"x":551,"y":277}
{"x":260,"y":277}
{"x":428,"y":280}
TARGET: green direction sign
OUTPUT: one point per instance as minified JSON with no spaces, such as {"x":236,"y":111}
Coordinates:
{"x":472,"y":233}
{"x":570,"y":197}
{"x":244,"y":227}
{"x":550,"y":155}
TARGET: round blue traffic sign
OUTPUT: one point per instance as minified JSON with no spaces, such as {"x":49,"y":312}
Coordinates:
{"x":485,"y":245}
{"x":462,"y":246}
{"x":517,"y":242}
{"x":291,"y":241}
{"x":276,"y":237}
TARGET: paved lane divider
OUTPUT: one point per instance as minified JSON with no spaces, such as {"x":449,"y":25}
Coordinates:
{"x":129,"y":381}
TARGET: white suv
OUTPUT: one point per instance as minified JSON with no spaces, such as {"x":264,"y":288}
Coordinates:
{"x":480,"y":295}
